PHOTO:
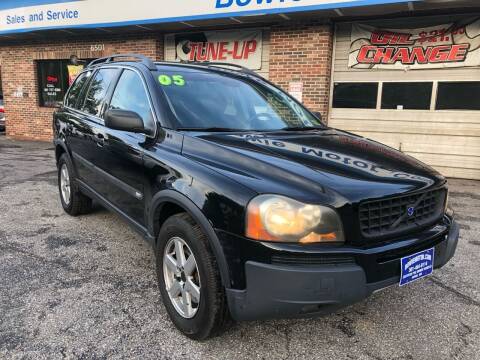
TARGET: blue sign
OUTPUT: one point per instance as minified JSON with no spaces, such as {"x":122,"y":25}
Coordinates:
{"x":32,"y":15}
{"x":417,"y":266}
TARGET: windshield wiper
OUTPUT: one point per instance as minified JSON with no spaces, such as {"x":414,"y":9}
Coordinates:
{"x":302,"y":128}
{"x":210,"y":129}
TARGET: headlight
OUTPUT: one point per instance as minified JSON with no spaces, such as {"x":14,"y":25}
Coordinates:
{"x":278,"y":218}
{"x":448,"y":210}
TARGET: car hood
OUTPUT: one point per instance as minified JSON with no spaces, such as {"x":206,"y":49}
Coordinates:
{"x":317,"y":165}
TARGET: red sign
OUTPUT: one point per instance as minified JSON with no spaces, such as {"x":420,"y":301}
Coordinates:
{"x":213,"y":51}
{"x":239,"y":47}
{"x":448,"y":45}
{"x":52,"y":79}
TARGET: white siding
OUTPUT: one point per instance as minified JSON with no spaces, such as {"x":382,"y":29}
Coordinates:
{"x":265,"y":69}
{"x":446,"y":140}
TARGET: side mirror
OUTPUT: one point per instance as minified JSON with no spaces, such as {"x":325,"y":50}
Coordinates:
{"x":318,"y":115}
{"x":124,"y":120}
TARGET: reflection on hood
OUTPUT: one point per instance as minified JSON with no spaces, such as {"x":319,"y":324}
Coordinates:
{"x":340,"y":158}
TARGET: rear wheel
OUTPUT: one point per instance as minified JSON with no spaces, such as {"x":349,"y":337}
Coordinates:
{"x":189,"y":279}
{"x":73,"y":201}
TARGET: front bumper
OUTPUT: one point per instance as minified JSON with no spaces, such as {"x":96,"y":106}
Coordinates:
{"x":303,"y":290}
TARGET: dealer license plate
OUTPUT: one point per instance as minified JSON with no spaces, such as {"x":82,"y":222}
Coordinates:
{"x":417,"y":266}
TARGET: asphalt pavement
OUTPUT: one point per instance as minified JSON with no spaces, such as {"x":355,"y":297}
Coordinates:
{"x":85,"y":288}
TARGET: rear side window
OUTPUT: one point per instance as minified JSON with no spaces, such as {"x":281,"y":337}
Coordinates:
{"x":130,"y":95}
{"x":98,"y":90}
{"x":76,"y":89}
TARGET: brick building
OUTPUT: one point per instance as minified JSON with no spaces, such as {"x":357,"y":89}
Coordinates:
{"x":386,"y":90}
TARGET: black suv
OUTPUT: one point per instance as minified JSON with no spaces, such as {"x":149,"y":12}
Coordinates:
{"x":254,"y":207}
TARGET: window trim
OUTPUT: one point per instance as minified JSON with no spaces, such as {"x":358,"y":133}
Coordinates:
{"x":86,"y":86}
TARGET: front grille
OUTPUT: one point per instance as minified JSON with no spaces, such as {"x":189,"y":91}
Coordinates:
{"x":391,"y":216}
{"x":311,"y":260}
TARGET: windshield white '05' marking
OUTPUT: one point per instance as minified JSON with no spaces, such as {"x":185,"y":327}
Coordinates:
{"x":334,"y":157}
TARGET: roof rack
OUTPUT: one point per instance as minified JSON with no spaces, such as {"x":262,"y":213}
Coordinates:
{"x":108,"y":59}
{"x":220,"y":64}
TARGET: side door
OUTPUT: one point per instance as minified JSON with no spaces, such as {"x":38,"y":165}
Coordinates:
{"x":88,"y":131}
{"x":123,"y":150}
{"x":70,"y":114}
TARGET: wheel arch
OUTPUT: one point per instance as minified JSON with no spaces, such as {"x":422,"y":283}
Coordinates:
{"x":170,"y":202}
{"x":60,"y":149}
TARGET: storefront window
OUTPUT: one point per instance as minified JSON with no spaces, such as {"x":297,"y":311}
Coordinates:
{"x":458,"y":95}
{"x":52,"y":82}
{"x":54,"y":78}
{"x":408,"y":96}
{"x":355,"y":95}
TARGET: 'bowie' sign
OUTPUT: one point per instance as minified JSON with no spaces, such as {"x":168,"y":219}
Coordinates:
{"x":447,"y":45}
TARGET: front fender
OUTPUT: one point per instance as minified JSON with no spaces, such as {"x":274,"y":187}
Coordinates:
{"x":172,"y":196}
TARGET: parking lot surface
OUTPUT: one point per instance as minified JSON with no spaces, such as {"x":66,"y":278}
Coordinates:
{"x":85,"y":288}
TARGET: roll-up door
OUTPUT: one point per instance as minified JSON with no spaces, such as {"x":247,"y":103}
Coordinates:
{"x":429,"y":106}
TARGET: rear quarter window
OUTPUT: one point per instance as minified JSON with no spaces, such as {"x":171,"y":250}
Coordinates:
{"x":72,"y":98}
{"x":97,"y":90}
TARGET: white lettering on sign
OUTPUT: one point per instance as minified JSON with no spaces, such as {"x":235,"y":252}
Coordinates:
{"x":18,"y":92}
{"x":295,"y":88}
{"x":97,"y":47}
{"x":107,"y":13}
{"x":242,"y":3}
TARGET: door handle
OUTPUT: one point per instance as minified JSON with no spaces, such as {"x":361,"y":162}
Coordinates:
{"x":99,"y":139}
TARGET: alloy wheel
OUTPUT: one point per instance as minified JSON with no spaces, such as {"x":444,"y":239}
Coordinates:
{"x":182,"y":278}
{"x":65,"y":184}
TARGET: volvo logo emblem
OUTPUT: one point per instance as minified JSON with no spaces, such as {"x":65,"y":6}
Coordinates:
{"x":410,"y":210}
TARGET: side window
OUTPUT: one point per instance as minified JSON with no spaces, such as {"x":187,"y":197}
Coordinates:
{"x":76,"y":89}
{"x":130,"y":95}
{"x":98,"y":90}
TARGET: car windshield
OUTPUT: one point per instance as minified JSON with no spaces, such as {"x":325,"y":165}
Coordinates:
{"x":215,"y":101}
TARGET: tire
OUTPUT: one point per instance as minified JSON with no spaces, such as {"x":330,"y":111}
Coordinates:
{"x":210,"y":315}
{"x":74,"y":202}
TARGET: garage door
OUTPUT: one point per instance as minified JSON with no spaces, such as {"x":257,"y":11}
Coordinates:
{"x":247,"y":47}
{"x":431,"y":114}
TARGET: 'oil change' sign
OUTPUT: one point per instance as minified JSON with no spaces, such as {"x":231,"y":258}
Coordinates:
{"x":447,"y":45}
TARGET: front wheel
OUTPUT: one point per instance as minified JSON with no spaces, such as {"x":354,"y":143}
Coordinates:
{"x":189,"y":279}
